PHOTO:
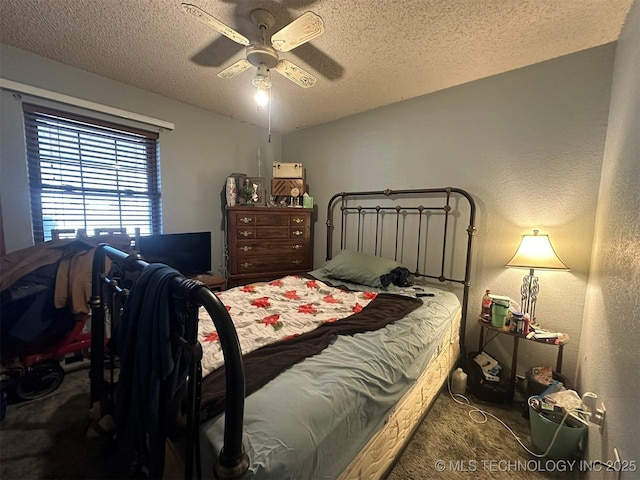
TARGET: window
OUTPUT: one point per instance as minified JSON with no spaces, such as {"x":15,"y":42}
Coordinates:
{"x":88,"y":174}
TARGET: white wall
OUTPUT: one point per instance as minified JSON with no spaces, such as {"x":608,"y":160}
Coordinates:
{"x":196,"y":157}
{"x":609,"y":362}
{"x":528,"y":146}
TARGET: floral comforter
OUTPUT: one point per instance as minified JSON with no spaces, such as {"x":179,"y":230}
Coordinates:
{"x":283,"y":309}
{"x":284,"y":322}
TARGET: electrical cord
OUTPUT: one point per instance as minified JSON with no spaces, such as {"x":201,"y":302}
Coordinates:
{"x":484,"y":417}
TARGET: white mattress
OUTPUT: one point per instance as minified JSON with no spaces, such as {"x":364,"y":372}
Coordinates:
{"x":315,"y":418}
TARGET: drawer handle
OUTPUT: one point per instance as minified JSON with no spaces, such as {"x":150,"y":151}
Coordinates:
{"x":245,"y":233}
{"x":246,"y":264}
{"x":298,"y":232}
{"x":246,"y":220}
{"x":246,"y":248}
{"x":298,"y":220}
{"x":297,"y":246}
{"x":297,"y":262}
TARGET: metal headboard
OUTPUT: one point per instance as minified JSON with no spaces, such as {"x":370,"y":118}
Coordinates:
{"x":420,"y":228}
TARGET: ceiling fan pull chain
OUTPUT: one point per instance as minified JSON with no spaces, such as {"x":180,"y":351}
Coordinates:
{"x":269,"y":115}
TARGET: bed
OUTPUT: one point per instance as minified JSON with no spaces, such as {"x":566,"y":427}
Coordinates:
{"x":339,"y":398}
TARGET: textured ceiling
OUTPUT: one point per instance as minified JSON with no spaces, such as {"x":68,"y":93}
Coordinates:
{"x":372,"y":53}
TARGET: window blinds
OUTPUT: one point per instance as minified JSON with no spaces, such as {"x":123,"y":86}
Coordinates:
{"x":88,"y":174}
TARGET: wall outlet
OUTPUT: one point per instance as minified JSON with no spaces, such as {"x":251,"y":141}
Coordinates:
{"x":599,"y":416}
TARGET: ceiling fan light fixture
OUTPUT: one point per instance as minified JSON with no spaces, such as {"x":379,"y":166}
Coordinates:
{"x":262,"y":96}
{"x":263,"y":53}
{"x":262,"y":81}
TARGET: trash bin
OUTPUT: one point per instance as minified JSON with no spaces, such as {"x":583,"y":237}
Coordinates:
{"x":569,"y":441}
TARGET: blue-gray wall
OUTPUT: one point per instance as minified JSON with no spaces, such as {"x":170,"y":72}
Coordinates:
{"x":527,"y":144}
{"x":196,"y":157}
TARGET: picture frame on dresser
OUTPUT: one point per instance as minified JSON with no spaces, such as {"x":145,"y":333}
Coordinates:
{"x":259,"y":197}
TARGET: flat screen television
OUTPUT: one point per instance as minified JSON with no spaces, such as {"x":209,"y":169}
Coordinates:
{"x":189,"y":253}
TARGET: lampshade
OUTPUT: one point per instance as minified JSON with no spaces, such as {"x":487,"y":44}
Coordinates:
{"x":535,"y":251}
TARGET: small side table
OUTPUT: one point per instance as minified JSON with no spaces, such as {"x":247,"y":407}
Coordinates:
{"x":213,"y":282}
{"x":560,"y":342}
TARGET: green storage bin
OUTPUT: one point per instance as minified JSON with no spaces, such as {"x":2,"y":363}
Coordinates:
{"x":499,"y":312}
{"x":569,"y":442}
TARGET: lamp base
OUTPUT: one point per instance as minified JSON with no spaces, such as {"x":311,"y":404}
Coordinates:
{"x":529,"y":294}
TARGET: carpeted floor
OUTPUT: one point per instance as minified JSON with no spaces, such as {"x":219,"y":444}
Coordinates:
{"x":451,"y":442}
{"x":45,"y":439}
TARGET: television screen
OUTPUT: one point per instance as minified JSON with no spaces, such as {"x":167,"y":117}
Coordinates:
{"x":189,"y":253}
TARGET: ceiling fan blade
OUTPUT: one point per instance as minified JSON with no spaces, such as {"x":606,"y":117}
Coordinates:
{"x":214,"y":23}
{"x":295,"y":74}
{"x":304,"y":28}
{"x":235,"y":69}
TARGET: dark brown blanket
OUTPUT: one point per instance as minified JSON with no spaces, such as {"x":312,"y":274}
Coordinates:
{"x":264,"y":364}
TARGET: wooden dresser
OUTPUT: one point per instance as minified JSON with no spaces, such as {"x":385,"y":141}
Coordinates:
{"x":267,"y":243}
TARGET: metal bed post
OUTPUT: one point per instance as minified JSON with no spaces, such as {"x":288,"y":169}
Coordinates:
{"x":193,"y":349}
{"x":233,"y":461}
{"x":471,"y":231}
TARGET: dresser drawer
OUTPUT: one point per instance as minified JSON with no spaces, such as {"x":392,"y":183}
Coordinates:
{"x":261,"y":264}
{"x":244,"y":219}
{"x":297,"y":232}
{"x":249,"y":248}
{"x":244,"y":233}
{"x":272,"y":219}
{"x":267,"y":219}
{"x":271,"y":233}
{"x":275,"y":219}
{"x":299,"y":220}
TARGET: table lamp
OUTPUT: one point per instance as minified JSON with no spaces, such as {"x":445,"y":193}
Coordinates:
{"x":534,"y":251}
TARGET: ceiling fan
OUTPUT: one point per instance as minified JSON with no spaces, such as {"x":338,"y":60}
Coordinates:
{"x":263,"y":54}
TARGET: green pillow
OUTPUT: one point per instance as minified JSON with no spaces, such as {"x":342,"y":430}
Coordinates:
{"x":358,"y":267}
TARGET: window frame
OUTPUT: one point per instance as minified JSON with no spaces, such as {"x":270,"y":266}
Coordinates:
{"x":36,"y":116}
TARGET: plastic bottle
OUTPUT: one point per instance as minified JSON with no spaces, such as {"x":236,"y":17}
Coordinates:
{"x":527,"y":324}
{"x":459,"y":382}
{"x":517,"y":321}
{"x":486,"y":306}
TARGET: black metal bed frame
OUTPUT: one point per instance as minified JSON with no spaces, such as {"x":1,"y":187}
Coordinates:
{"x":341,"y":201}
{"x":107,"y":298}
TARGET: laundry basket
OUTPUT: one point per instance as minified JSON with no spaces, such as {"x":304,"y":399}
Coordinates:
{"x":567,"y":444}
